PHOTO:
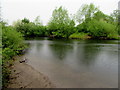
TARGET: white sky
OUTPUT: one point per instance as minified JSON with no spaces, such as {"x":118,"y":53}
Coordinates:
{"x":13,"y":10}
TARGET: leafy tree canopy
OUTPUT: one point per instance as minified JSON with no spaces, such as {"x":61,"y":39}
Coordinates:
{"x":60,"y":24}
{"x":85,"y":12}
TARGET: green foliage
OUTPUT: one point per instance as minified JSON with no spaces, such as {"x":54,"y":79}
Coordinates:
{"x":116,"y":19}
{"x":99,"y":15}
{"x":37,"y":21}
{"x":98,"y":29}
{"x":25,"y":20}
{"x":86,"y":12}
{"x":91,"y":21}
{"x":79,"y":36}
{"x":118,"y":28}
{"x":82,"y":27}
{"x":11,"y":37}
{"x":30,"y":29}
{"x":115,"y":15}
{"x":96,"y":23}
{"x":12,"y":44}
{"x":60,"y":24}
{"x":0,"y":44}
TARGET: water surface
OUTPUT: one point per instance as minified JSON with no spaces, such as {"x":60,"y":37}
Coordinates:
{"x":76,"y":63}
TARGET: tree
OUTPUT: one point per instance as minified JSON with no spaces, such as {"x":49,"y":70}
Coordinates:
{"x":17,"y":23}
{"x":25,"y":20}
{"x":116,"y":19}
{"x":99,"y":15}
{"x":37,"y":21}
{"x":115,"y":15}
{"x":99,"y":25}
{"x":85,"y":12}
{"x":30,"y":29}
{"x":102,"y":29}
{"x":60,"y":24}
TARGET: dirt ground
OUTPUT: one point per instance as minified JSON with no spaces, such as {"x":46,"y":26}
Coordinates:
{"x":24,"y":76}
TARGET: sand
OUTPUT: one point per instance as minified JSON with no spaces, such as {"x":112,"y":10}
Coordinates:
{"x":25,"y":76}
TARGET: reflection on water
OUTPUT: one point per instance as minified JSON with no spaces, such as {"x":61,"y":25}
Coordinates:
{"x":76,"y":63}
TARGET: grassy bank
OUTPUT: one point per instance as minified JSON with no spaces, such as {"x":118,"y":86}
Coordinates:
{"x":79,"y":36}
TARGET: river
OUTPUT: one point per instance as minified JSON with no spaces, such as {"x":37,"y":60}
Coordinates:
{"x":75,"y":63}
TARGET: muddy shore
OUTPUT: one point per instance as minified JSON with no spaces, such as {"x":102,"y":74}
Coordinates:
{"x":25,"y":76}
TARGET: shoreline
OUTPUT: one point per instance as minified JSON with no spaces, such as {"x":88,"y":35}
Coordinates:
{"x":25,"y":76}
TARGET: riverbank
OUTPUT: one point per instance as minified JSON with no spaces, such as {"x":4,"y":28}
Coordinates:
{"x":25,"y":76}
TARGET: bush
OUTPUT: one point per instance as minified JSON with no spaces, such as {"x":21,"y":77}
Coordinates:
{"x":13,"y":40}
{"x":12,"y":44}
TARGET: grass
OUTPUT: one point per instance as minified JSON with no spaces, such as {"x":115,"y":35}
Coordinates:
{"x":79,"y":36}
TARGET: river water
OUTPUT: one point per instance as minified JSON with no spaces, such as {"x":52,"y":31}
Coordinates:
{"x":76,"y":63}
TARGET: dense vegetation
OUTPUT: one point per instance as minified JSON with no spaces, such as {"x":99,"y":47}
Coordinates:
{"x":61,"y":25}
{"x":30,"y":29}
{"x":96,"y":24}
{"x":12,"y":44}
{"x":92,"y":23}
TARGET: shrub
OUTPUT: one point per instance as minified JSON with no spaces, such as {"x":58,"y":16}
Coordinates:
{"x":12,"y":44}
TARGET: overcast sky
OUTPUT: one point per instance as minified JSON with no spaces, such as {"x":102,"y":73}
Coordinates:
{"x":18,"y":9}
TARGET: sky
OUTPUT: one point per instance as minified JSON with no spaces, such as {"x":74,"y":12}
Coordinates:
{"x":13,"y":10}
